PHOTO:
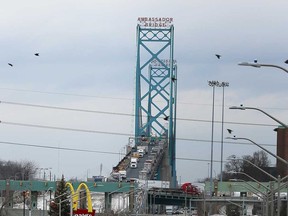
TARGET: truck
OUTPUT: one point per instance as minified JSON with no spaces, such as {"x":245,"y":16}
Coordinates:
{"x":123,"y":174}
{"x":189,"y":188}
{"x":169,"y":209}
{"x":133,"y":162}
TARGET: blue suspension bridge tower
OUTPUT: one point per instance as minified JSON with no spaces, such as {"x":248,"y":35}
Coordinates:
{"x":156,"y":86}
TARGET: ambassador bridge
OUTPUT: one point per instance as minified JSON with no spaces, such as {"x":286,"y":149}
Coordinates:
{"x":155,"y":107}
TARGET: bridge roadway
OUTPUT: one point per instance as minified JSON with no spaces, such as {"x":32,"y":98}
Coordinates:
{"x":133,"y":173}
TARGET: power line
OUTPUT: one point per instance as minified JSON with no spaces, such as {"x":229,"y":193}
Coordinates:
{"x":65,"y":94}
{"x":57,"y":148}
{"x":126,"y":114}
{"x":64,"y":108}
{"x":66,"y":129}
{"x":112,"y":133}
{"x":87,"y":150}
{"x":227,"y":142}
{"x":114,"y":98}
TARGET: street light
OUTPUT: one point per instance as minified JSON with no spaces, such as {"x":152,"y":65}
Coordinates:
{"x":269,"y":152}
{"x":241,"y":107}
{"x":276,"y":156}
{"x":253,"y":179}
{"x":257,"y":65}
{"x":281,"y":145}
{"x":264,"y":196}
{"x":44,"y":199}
{"x":131,"y":194}
{"x":268,"y":174}
{"x":280,"y":142}
{"x":251,"y":185}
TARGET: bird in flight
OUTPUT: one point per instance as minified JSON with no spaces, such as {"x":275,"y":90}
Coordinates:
{"x":229,"y":131}
{"x":10,"y":64}
{"x":218,"y":56}
{"x":36,"y":54}
{"x":286,"y":61}
{"x":255,"y":60}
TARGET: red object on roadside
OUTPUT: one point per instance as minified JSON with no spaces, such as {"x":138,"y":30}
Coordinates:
{"x":190,"y":189}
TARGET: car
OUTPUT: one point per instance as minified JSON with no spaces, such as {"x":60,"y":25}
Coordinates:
{"x":141,"y":151}
{"x":133,"y":165}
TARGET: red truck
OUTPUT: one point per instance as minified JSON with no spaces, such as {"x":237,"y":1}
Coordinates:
{"x":190,"y":189}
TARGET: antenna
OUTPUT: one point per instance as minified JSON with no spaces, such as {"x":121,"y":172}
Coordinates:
{"x":101,"y":166}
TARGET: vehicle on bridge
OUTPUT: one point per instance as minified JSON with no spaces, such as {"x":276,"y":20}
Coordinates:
{"x":135,"y":155}
{"x":142,"y":149}
{"x":133,"y":162}
{"x":123,"y":174}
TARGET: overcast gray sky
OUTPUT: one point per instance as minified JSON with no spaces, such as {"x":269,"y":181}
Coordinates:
{"x":87,"y":61}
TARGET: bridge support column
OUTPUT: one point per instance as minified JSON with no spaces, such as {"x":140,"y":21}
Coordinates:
{"x":131,"y":197}
{"x":8,"y":195}
{"x":166,"y":168}
{"x":108,"y":200}
{"x":34,"y":195}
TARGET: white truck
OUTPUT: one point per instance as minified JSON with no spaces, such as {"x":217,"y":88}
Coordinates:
{"x":133,"y":162}
{"x":123,"y":174}
{"x":169,"y":209}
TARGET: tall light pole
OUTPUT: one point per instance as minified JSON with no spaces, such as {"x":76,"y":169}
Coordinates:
{"x":223,"y":84}
{"x":214,"y":84}
{"x":24,"y":193}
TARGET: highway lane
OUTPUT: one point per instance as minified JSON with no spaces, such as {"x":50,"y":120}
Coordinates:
{"x":134,"y":172}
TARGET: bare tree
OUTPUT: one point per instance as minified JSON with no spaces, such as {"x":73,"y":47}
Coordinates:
{"x":28,"y":169}
{"x":234,"y":166}
{"x":17,"y":170}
